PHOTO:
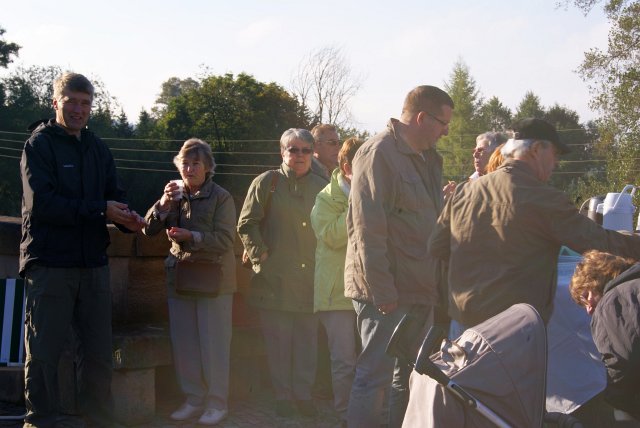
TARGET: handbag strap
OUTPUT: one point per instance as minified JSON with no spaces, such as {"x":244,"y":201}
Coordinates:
{"x":275,"y":176}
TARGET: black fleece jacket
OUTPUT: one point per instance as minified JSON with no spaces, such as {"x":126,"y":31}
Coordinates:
{"x":66,"y":184}
{"x":616,"y":332}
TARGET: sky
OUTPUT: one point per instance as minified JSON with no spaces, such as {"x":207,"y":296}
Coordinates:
{"x":510,"y":46}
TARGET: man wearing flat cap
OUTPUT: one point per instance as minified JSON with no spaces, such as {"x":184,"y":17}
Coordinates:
{"x":502,"y":233}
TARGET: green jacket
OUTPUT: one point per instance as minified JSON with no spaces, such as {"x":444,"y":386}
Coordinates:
{"x":329,"y":222}
{"x":212,"y":212}
{"x":501,"y":235}
{"x":285,"y":280}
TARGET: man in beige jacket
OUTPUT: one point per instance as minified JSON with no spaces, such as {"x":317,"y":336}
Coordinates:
{"x":396,"y":198}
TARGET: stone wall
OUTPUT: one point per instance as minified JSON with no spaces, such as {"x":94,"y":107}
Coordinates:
{"x":140,"y":318}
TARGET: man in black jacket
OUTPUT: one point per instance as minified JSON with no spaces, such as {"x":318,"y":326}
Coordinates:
{"x":70,"y":192}
{"x":608,"y":287}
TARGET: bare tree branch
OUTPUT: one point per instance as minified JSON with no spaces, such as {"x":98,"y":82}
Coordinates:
{"x":324,"y":85}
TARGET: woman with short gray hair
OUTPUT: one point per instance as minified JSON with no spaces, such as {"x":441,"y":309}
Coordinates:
{"x":275,"y":228}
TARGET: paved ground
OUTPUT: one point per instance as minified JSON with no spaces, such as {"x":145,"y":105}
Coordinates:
{"x":256,"y":411}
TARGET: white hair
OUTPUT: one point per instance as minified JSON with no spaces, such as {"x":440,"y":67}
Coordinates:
{"x":494,"y":139}
{"x":518,"y":148}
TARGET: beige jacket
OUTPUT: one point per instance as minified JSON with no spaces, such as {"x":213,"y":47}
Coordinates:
{"x":396,"y":196}
{"x":502,"y":234}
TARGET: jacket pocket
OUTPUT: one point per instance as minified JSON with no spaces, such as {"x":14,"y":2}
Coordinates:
{"x":409,"y":197}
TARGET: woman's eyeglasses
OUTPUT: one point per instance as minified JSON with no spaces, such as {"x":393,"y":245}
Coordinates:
{"x":298,"y":150}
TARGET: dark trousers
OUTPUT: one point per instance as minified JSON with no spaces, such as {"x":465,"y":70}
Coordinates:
{"x":59,"y":299}
{"x":291,"y":340}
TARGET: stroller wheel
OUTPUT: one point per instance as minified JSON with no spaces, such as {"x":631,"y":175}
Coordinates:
{"x":561,"y":420}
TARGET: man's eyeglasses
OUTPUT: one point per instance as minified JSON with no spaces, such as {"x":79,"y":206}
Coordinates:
{"x":437,"y":119}
{"x":297,"y":150}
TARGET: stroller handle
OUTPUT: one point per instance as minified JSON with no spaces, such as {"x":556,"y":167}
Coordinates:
{"x":425,"y":366}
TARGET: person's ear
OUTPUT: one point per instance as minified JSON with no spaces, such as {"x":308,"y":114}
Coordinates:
{"x":346,"y":169}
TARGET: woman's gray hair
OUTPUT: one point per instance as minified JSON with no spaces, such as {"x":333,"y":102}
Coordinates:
{"x":518,"y":148}
{"x":198,"y":149}
{"x":295,"y":134}
{"x":494,"y":139}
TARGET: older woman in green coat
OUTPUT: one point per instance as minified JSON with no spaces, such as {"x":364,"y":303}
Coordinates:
{"x":276,"y":232}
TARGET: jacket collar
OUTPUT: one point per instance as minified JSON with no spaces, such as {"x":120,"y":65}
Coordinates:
{"x":288,"y":172}
{"x":402,"y":145}
{"x":630,"y":274}
{"x":518,"y":165}
{"x":206,"y":190}
{"x":51,"y":127}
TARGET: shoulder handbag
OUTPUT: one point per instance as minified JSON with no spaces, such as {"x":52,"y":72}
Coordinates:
{"x":197,"y":278}
{"x":275,"y":176}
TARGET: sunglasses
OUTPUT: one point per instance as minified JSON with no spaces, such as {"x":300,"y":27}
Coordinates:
{"x":297,"y":150}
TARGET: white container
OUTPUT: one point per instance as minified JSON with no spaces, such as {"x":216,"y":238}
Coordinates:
{"x":618,"y":209}
{"x":178,"y":194}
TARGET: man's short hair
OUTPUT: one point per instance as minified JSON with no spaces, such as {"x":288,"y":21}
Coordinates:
{"x":295,"y":134}
{"x":73,"y":82}
{"x":595,"y":270}
{"x":426,"y":98}
{"x":321,"y":129}
{"x":348,"y":151}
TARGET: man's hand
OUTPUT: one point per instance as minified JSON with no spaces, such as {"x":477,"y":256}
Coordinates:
{"x":135,"y":222}
{"x":118,"y":212}
{"x":387,"y":308}
{"x":448,"y":189}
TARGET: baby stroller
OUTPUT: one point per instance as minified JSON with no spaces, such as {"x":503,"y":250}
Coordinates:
{"x":492,"y":375}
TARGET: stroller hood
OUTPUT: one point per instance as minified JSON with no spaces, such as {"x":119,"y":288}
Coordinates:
{"x":501,"y":362}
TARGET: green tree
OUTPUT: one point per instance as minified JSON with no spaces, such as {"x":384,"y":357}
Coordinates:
{"x":7,"y":50}
{"x":494,"y":115}
{"x":27,"y":96}
{"x":465,"y":123}
{"x":580,"y":161}
{"x":229,"y":107}
{"x":123,"y":129}
{"x":171,"y":88}
{"x":530,"y":106}
{"x":613,"y":75}
{"x":239,"y":116}
{"x":146,"y":127}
